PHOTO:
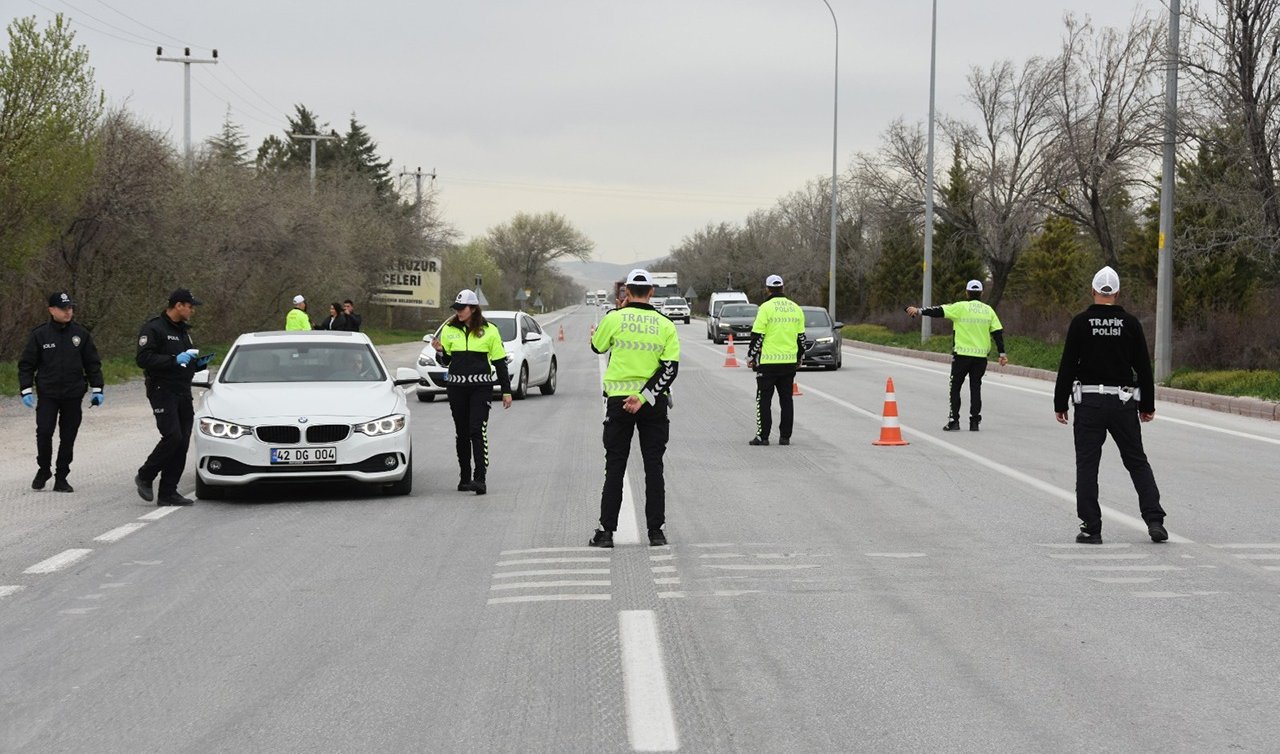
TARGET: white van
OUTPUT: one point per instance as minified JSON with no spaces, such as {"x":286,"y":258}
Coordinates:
{"x":719,"y":299}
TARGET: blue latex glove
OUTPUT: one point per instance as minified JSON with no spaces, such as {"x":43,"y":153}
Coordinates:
{"x":184,"y":358}
{"x":29,"y":400}
{"x":97,"y":399}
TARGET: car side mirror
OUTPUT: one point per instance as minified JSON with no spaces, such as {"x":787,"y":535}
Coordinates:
{"x":837,"y":325}
{"x":426,"y":338}
{"x":406,"y":376}
{"x":529,"y":337}
{"x":202,"y":379}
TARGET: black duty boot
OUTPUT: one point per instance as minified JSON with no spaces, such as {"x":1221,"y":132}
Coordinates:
{"x":784,"y":440}
{"x":42,"y":476}
{"x":602,"y":538}
{"x":1086,"y":537}
{"x":144,"y":488}
{"x":758,"y":440}
{"x":952,"y":426}
{"x":478,"y":486}
{"x":464,"y":484}
{"x":1155,"y":529}
{"x":657,"y":538}
{"x":60,"y":485}
{"x":973,"y":424}
{"x":173,"y":498}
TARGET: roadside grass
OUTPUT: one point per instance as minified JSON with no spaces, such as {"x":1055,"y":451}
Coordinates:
{"x":121,"y":368}
{"x":1030,"y":352}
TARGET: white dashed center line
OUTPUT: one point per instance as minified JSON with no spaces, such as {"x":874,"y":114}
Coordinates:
{"x":59,"y":561}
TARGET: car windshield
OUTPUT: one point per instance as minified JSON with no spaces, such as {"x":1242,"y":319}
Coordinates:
{"x":739,"y":310}
{"x":816,"y":318}
{"x":302,"y":362}
{"x":506,"y":327}
{"x":675,"y":301}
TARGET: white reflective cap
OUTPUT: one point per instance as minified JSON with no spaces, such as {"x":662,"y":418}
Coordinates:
{"x":465,"y":297}
{"x":298,"y":299}
{"x":974,"y":285}
{"x":1106,"y":281}
{"x":773,"y":281}
{"x":639,"y":276}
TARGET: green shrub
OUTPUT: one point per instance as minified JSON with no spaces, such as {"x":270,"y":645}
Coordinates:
{"x":1242,"y":382}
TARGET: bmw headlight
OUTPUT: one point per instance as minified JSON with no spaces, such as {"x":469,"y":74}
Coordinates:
{"x":821,"y":341}
{"x":426,"y":361}
{"x":387,"y":425}
{"x":223,"y":430}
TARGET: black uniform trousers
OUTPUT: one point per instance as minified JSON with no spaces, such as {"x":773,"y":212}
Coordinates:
{"x":174,"y":416}
{"x":972,"y":367}
{"x":470,"y":407}
{"x":651,"y":420}
{"x":766,"y":384}
{"x":65,"y":414}
{"x":1096,"y":416}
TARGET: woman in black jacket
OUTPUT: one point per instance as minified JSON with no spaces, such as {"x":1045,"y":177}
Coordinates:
{"x":336,"y":319}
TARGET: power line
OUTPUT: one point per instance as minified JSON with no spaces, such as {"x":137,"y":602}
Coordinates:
{"x":214,"y":77}
{"x":170,"y":37}
{"x":88,"y":27}
{"x":221,"y":98}
{"x":122,"y":30}
{"x":273,"y":106}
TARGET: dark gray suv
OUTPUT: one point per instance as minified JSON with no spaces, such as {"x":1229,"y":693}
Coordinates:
{"x":822,"y":339}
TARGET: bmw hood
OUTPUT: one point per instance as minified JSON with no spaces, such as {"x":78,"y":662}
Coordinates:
{"x":346,"y":401}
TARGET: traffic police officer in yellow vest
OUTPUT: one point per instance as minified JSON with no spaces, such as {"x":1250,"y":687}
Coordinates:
{"x":296,"y":319}
{"x":644,"y":356}
{"x":777,"y":346}
{"x":976,"y":325}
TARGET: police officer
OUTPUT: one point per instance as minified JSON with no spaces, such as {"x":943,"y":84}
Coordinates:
{"x":471,"y":349}
{"x":58,"y":360}
{"x":1106,"y":372}
{"x":297,"y":319}
{"x":169,"y":361}
{"x":777,"y":346}
{"x":644,"y":356}
{"x":976,"y":325}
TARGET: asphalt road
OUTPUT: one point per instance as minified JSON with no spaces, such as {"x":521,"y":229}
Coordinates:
{"x":828,"y":596}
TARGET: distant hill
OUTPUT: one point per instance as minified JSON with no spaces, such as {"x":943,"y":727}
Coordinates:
{"x":597,"y":275}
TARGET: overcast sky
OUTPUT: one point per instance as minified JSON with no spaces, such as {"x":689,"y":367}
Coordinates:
{"x":639,"y":121}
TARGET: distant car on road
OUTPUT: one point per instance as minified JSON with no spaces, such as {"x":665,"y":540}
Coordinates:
{"x":531,"y":357}
{"x":303,"y":406}
{"x":735,"y":318}
{"x":717,"y":300}
{"x":822,"y":339}
{"x":675,"y":307}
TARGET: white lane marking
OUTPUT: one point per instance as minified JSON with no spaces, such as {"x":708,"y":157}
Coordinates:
{"x":662,"y":557}
{"x":1133,"y":522}
{"x":119,"y":533}
{"x":536,"y":550}
{"x":671,"y":595}
{"x":59,"y":561}
{"x":651,"y":724}
{"x":716,"y":544}
{"x":1077,"y":546}
{"x":663,"y":569}
{"x":1271,"y":568}
{"x":1160,"y":595}
{"x":1128,"y":568}
{"x":158,"y":513}
{"x":1267,"y":556}
{"x":895,"y":554}
{"x":1049,"y":393}
{"x":1268,"y":546}
{"x":554,"y":572}
{"x":545,"y":585}
{"x":77,"y":611}
{"x":7,"y":590}
{"x":549,"y":561}
{"x":546,"y":598}
{"x":1113,"y":556}
{"x":720,"y":555}
{"x":667,"y":580}
{"x":628,"y":532}
{"x":1123,"y":579}
{"x":761,"y":567}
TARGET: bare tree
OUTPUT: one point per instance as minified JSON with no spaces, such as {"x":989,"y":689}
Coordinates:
{"x":1010,"y":152}
{"x":1107,"y":107}
{"x":525,"y":247}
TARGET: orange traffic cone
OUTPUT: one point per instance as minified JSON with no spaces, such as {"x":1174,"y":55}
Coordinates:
{"x":730,"y":360}
{"x":795,"y":388}
{"x":890,"y":431}
{"x":561,"y":333}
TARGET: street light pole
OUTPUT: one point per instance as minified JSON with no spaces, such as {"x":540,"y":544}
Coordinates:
{"x":926,"y":297}
{"x":835,"y":122}
{"x":1164,"y":263}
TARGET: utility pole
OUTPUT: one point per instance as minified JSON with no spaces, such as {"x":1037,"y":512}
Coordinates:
{"x":1164,"y":263}
{"x":186,"y":61}
{"x":418,"y":175}
{"x":314,"y":138}
{"x":926,"y":297}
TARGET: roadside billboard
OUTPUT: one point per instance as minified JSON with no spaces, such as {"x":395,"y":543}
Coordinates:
{"x":414,"y":282}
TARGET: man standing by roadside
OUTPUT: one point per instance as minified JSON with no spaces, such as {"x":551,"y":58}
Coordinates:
{"x":1106,"y":372}
{"x":58,"y":361}
{"x":353,"y":320}
{"x":644,"y":356}
{"x":976,"y":325}
{"x":777,"y":347}
{"x":297,"y":319}
{"x":169,"y":361}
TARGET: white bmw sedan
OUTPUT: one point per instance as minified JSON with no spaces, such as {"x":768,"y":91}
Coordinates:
{"x":303,"y":406}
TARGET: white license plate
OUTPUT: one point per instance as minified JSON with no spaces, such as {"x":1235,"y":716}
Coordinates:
{"x":304,"y":455}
